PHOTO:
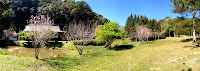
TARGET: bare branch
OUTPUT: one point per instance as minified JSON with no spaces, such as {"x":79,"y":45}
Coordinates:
{"x":79,"y":32}
{"x":40,"y":31}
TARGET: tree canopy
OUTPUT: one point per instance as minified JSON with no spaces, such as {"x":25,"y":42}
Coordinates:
{"x":17,"y":12}
{"x":109,"y":32}
{"x":187,"y":7}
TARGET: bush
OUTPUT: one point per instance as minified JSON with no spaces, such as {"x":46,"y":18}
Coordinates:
{"x":109,"y":32}
{"x":90,"y":42}
{"x":22,"y":35}
{"x":5,"y":53}
{"x":96,"y":43}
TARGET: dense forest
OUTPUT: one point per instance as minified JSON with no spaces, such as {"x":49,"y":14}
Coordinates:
{"x":16,"y":13}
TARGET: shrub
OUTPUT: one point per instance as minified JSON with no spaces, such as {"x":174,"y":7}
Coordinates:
{"x":91,"y":42}
{"x":109,"y":32}
{"x":96,"y":43}
{"x":22,"y":35}
{"x":5,"y":53}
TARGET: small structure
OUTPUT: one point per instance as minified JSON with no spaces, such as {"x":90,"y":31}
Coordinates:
{"x":53,"y":28}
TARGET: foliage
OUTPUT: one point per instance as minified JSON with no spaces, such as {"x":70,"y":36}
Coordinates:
{"x":5,"y":52}
{"x":133,"y":21}
{"x":65,"y":12}
{"x":90,"y":42}
{"x":109,"y":32}
{"x":187,"y":7}
{"x":5,"y":16}
{"x":15,"y":13}
{"x":23,"y":9}
{"x":22,"y":35}
{"x":130,"y":26}
{"x":178,"y":26}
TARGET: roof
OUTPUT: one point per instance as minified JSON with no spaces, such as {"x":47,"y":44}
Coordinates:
{"x":54,"y":28}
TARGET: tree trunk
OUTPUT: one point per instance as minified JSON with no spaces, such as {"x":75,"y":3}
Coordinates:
{"x":174,"y":34}
{"x":158,"y":36}
{"x":136,"y":39}
{"x":28,"y":40}
{"x":169,"y":33}
{"x":109,"y":44}
{"x":194,"y":38}
{"x":36,"y":51}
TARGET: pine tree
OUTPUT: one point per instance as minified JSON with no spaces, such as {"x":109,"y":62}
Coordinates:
{"x":187,"y":7}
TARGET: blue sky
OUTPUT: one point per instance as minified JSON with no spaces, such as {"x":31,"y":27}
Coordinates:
{"x":119,"y":10}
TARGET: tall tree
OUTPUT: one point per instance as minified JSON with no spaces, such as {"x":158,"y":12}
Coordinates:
{"x":5,"y":15}
{"x":187,"y":7}
{"x":65,"y":12}
{"x":23,"y":10}
{"x":130,"y":25}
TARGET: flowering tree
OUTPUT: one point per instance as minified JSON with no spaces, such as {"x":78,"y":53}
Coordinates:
{"x":40,"y":31}
{"x":79,"y":32}
{"x":142,"y":33}
{"x":8,"y":33}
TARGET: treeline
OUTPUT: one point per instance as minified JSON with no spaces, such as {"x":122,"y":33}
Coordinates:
{"x":180,"y":26}
{"x":17,"y":12}
{"x":166,"y":27}
{"x":133,"y":22}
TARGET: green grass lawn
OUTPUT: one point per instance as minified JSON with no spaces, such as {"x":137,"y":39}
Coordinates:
{"x":170,"y":54}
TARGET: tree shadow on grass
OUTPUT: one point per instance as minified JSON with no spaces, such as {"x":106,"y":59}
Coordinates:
{"x":190,"y":39}
{"x":122,"y":47}
{"x":28,"y":45}
{"x":148,"y":42}
{"x":54,"y":45}
{"x":192,"y":47}
{"x":62,"y":62}
{"x":4,"y":43}
{"x":48,"y":45}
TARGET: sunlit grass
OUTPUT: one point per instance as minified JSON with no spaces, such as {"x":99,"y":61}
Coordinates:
{"x":164,"y":54}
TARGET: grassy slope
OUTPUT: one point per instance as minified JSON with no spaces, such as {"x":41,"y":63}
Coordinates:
{"x":165,"y":54}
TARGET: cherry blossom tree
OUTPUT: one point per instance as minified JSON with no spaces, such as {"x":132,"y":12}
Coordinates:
{"x":40,"y":31}
{"x":80,"y":32}
{"x":8,"y":33}
{"x":142,"y":33}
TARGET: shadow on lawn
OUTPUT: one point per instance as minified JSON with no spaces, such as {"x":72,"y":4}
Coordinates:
{"x":191,"y":46}
{"x":122,"y":47}
{"x":48,"y":45}
{"x":190,"y":39}
{"x":54,"y":45}
{"x":62,"y":62}
{"x":4,"y":43}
